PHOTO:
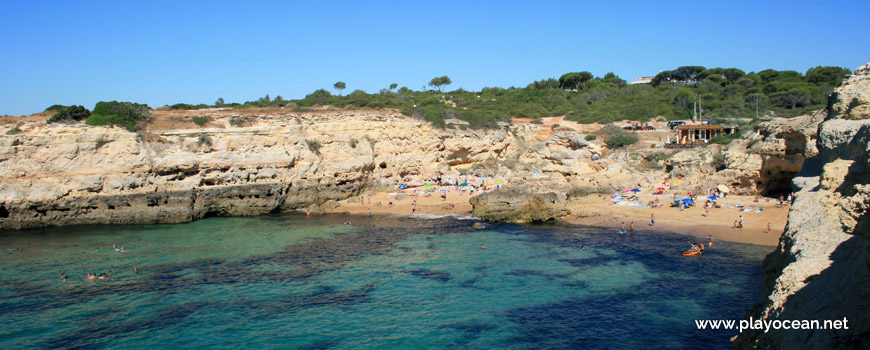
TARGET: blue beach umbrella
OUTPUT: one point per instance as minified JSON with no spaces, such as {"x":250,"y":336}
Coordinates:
{"x":687,"y":200}
{"x":635,"y":190}
{"x":711,"y":197}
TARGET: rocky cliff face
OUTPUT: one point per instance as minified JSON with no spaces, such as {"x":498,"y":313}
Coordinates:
{"x":60,"y":174}
{"x":821,"y":269}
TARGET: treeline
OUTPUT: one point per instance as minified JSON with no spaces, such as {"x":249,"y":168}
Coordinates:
{"x":580,"y":96}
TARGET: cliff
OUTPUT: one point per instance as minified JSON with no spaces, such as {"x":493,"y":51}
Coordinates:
{"x":821,"y":269}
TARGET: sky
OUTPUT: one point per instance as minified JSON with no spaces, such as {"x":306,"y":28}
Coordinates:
{"x":167,"y":52}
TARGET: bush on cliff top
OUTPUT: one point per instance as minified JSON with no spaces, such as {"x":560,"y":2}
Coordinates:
{"x":126,"y":114}
{"x":70,"y":114}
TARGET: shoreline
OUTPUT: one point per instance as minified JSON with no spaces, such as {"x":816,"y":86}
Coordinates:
{"x":597,"y":212}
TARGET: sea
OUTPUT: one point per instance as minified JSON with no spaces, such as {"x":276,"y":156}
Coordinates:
{"x":291,"y":281}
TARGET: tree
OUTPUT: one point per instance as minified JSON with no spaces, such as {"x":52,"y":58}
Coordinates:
{"x":339,"y":86}
{"x":663,"y":76}
{"x":686,"y":73}
{"x":574,"y":80}
{"x":440,"y":82}
{"x":827,"y":75}
{"x":219,"y":102}
{"x":393,"y":86}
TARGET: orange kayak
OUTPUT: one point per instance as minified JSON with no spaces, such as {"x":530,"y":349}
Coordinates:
{"x":691,"y":252}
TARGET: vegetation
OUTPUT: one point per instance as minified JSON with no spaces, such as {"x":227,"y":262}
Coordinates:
{"x":582,"y":97}
{"x":339,"y":86}
{"x":313,"y":146}
{"x":69,"y":114}
{"x":125,"y":114}
{"x":440,"y":82}
{"x":590,"y":137}
{"x":725,"y":138}
{"x":615,"y":137}
{"x":353,"y":143}
{"x":204,"y":140}
{"x":239,"y":121}
{"x":200,"y":120}
{"x":15,"y":130}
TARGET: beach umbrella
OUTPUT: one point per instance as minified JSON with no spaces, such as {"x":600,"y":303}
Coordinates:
{"x":626,"y":190}
{"x":472,"y":180}
{"x":711,"y":197}
{"x":402,"y":187}
{"x":635,"y":190}
{"x":499,"y":181}
{"x":687,"y":200}
{"x":723,"y":188}
{"x":660,"y":189}
{"x":536,"y":172}
{"x":427,"y":185}
{"x":445,"y":190}
{"x":463,"y":184}
{"x":499,"y":184}
{"x":677,"y":182}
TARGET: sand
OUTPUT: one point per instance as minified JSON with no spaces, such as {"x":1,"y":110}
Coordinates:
{"x":600,"y":212}
{"x":595,"y":211}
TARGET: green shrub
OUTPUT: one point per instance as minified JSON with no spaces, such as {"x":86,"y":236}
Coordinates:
{"x":313,"y":146}
{"x":55,"y":108}
{"x":352,"y":143}
{"x":204,"y":140}
{"x":126,"y":114}
{"x":239,"y":121}
{"x":620,"y":141}
{"x":590,"y":137}
{"x":15,"y":130}
{"x":200,"y":120}
{"x":70,"y":114}
{"x":751,"y":143}
{"x":537,"y":121}
{"x":724,"y":139}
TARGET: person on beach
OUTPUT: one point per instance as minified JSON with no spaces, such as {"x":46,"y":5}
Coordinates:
{"x":768,"y":228}
{"x":741,"y":221}
{"x":370,"y":212}
{"x":631,"y":227}
{"x":652,"y":219}
{"x":622,"y":228}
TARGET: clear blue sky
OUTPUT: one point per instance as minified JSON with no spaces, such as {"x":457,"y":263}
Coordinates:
{"x":166,"y":52}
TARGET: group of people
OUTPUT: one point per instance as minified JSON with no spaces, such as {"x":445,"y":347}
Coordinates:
{"x":105,"y":275}
{"x":700,"y":246}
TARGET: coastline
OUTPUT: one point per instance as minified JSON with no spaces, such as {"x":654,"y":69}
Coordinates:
{"x":599,"y":212}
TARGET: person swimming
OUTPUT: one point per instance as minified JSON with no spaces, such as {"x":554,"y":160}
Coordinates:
{"x":482,"y":246}
{"x":622,"y":228}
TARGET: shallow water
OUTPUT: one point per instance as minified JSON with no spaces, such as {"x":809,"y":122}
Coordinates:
{"x":382,"y":283}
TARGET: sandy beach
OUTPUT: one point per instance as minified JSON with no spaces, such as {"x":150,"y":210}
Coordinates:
{"x":601,"y":212}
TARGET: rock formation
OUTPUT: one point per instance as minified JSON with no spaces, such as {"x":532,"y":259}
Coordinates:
{"x":522,"y":203}
{"x":821,"y":269}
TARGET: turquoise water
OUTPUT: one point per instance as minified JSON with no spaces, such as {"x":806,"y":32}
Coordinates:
{"x":382,"y":283}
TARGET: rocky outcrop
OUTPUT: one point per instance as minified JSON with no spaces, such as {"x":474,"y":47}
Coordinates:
{"x":521,"y":204}
{"x":175,"y":171}
{"x":821,"y":269}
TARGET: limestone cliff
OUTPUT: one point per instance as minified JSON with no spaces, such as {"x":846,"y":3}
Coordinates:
{"x":821,"y":269}
{"x":175,"y":171}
